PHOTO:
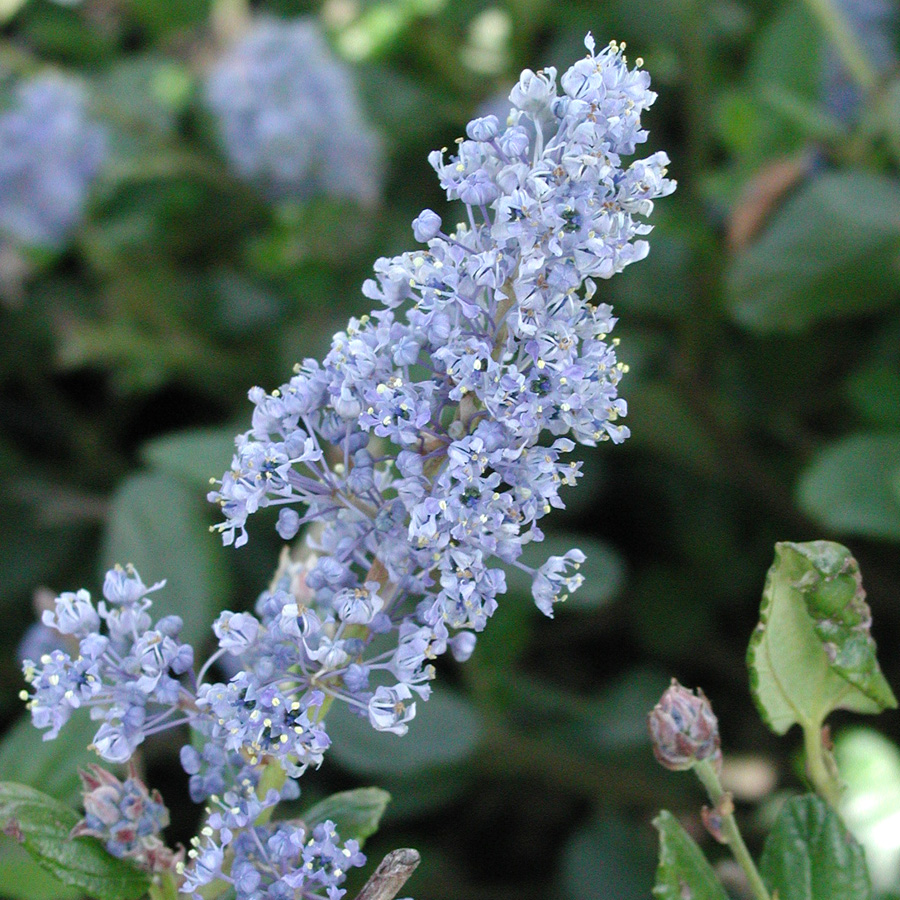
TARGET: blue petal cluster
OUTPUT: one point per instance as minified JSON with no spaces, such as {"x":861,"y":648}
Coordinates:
{"x":128,"y":677}
{"x":280,"y":861}
{"x":50,"y":153}
{"x":289,"y":117}
{"x":432,"y":439}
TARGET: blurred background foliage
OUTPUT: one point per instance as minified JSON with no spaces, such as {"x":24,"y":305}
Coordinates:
{"x":155,"y":277}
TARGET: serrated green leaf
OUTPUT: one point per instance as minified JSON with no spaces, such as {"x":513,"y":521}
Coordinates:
{"x":194,"y":456}
{"x":683,"y":870}
{"x":810,"y":855}
{"x":356,"y":814}
{"x":814,"y":261}
{"x":847,"y":486}
{"x":42,"y":825}
{"x":161,"y":527}
{"x":52,"y":766}
{"x":812,"y":652}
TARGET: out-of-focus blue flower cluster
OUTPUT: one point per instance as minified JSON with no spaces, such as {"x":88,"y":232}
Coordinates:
{"x":873,"y":23}
{"x":289,"y":117}
{"x":50,"y":153}
{"x":414,"y":452}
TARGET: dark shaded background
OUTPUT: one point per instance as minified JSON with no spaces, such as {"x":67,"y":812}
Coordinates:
{"x":763,"y":336}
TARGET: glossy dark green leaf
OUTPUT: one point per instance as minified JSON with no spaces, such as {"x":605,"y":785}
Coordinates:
{"x":42,"y":825}
{"x":355,"y":813}
{"x":874,"y":391}
{"x":810,"y":855}
{"x":660,"y":420}
{"x":51,"y":766}
{"x":812,"y":652}
{"x":848,"y":486}
{"x":814,"y":260}
{"x":162,"y":528}
{"x":683,"y":870}
{"x":445,"y":731}
{"x":618,"y":716}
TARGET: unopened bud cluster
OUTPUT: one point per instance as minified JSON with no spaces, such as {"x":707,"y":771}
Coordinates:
{"x":684,"y":730}
{"x":127,"y":818}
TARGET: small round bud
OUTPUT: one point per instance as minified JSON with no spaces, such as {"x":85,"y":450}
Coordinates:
{"x":483,"y":129}
{"x":684,"y":730}
{"x":426,"y":225}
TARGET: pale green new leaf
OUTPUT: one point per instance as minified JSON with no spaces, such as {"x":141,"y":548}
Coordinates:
{"x":812,"y":652}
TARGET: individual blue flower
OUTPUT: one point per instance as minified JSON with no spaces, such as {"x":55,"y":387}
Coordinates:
{"x":289,"y":117}
{"x":50,"y":153}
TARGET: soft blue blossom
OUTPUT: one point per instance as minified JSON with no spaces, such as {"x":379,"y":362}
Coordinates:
{"x":289,"y":117}
{"x":435,"y":481}
{"x":50,"y":153}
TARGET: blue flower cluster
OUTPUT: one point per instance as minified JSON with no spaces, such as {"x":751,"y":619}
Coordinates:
{"x":873,"y":24}
{"x":51,"y":153}
{"x":289,"y":117}
{"x":126,"y":817}
{"x":128,"y":677}
{"x":416,"y":446}
{"x":422,"y":454}
{"x":279,"y":861}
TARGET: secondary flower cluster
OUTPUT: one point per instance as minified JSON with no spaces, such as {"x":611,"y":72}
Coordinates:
{"x":289,"y":117}
{"x":422,"y":452}
{"x":51,"y":152}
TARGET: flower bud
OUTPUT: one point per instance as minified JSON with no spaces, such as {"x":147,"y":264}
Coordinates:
{"x":684,"y":730}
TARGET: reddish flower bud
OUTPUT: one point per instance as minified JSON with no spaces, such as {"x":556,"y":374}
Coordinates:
{"x":684,"y":730}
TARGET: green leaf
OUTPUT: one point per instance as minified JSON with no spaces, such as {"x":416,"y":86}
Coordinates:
{"x":195,"y":456}
{"x":355,"y":814}
{"x":847,"y":486}
{"x":607,"y":858}
{"x":814,"y":261}
{"x":445,"y":731}
{"x":162,"y":528}
{"x":870,"y":767}
{"x":683,"y":869}
{"x":22,"y":877}
{"x":660,"y":420}
{"x":42,"y":825}
{"x":874,"y":391}
{"x":812,"y":652}
{"x":51,"y":766}
{"x":810,"y":855}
